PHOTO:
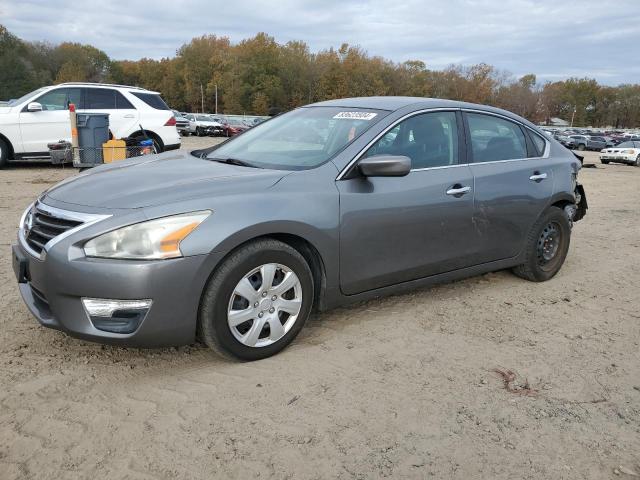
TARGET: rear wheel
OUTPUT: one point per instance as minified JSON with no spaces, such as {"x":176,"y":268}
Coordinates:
{"x":546,"y":247}
{"x":4,"y":154}
{"x":257,"y":301}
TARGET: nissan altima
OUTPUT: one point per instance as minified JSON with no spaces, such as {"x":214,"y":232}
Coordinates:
{"x":331,"y":203}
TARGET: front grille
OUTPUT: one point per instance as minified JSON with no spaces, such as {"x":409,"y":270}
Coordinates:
{"x":45,"y":227}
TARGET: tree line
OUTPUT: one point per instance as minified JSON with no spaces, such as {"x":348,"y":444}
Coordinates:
{"x":258,"y":75}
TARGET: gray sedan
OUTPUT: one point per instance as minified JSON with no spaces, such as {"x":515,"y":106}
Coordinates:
{"x":332,"y":203}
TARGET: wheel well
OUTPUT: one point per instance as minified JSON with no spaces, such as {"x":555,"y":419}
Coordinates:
{"x":8,"y":143}
{"x":562,"y":203}
{"x":150,"y":134}
{"x":310,"y":254}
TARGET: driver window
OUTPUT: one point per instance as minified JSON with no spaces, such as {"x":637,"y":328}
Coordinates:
{"x":54,"y":100}
{"x":60,"y":98}
{"x":429,"y":140}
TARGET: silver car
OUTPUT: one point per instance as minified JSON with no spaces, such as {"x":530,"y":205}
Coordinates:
{"x":332,"y":203}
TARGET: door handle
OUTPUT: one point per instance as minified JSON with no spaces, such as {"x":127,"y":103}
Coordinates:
{"x":458,"y":190}
{"x":537,"y":177}
{"x":129,"y":115}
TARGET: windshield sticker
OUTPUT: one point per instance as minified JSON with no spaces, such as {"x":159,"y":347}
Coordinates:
{"x":356,"y":115}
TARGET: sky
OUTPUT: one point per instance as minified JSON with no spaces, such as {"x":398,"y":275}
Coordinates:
{"x":555,"y":39}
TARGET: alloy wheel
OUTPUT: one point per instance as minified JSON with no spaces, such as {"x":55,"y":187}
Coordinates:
{"x":264,"y":305}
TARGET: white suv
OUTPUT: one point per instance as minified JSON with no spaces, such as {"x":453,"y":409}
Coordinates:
{"x":29,"y":123}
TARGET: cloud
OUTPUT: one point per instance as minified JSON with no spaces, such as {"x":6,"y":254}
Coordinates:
{"x":550,"y":38}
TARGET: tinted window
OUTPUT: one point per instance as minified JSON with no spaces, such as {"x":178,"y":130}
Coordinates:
{"x":539,"y":143}
{"x":152,"y":99}
{"x":122,"y":103}
{"x":493,"y":138}
{"x":60,"y":98}
{"x":429,"y":140}
{"x":100,"y":98}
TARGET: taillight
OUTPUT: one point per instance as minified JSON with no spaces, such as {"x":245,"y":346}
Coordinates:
{"x":171,"y":122}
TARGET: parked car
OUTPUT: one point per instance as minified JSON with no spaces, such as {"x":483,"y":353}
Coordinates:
{"x":239,"y":242}
{"x":584,"y":142}
{"x":627,"y":152}
{"x":232,"y":127}
{"x":182,"y":123}
{"x":567,"y":141}
{"x":202,"y":125}
{"x":41,"y":117}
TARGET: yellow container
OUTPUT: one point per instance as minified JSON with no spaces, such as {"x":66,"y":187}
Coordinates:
{"x":114,"y":150}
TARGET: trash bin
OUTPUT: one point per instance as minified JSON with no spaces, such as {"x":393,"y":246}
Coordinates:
{"x":93,"y":131}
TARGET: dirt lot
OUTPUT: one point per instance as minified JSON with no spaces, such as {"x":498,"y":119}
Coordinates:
{"x":402,"y":387}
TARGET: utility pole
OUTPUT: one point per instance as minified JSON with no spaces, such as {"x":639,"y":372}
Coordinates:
{"x":216,"y":85}
{"x":202,"y":97}
{"x":573,"y":114}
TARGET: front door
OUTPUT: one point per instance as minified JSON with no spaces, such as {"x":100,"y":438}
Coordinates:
{"x":52,"y":123}
{"x":396,"y":229}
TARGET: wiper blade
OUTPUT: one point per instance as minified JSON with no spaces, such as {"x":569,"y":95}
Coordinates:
{"x":234,"y":161}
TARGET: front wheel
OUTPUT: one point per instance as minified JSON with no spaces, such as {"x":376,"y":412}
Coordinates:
{"x":4,"y":154}
{"x":257,"y":301}
{"x":637,"y":163}
{"x":546,"y":247}
{"x":582,"y":147}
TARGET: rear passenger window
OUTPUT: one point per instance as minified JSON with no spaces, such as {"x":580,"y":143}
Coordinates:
{"x":493,"y":138}
{"x":100,"y":98}
{"x":429,"y":140}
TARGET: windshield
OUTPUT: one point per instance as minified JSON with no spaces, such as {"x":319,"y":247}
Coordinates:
{"x":26,"y":97}
{"x":203,"y":118}
{"x":301,"y":139}
{"x":629,"y":145}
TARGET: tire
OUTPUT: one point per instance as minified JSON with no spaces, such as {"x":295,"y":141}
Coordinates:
{"x":220,"y":297}
{"x":605,"y":162}
{"x":582,"y":147}
{"x":637,"y":162}
{"x":539,"y":264}
{"x":4,"y":154}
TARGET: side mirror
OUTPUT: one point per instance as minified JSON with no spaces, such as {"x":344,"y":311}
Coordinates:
{"x":34,"y":107}
{"x":385,"y":166}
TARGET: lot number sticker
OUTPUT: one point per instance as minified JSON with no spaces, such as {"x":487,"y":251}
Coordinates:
{"x":356,"y":115}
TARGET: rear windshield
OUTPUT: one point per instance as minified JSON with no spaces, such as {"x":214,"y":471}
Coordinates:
{"x":301,"y":139}
{"x":152,"y":99}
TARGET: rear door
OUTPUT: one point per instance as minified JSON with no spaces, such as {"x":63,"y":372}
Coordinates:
{"x":52,"y":123}
{"x":123,"y":116}
{"x":513,"y":178}
{"x":396,"y":229}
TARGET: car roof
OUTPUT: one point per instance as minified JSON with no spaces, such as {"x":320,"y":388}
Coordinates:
{"x":109,"y":85}
{"x":396,"y":103}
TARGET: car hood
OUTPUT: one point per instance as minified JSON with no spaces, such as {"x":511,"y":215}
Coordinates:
{"x":5,"y":109}
{"x":160,"y":179}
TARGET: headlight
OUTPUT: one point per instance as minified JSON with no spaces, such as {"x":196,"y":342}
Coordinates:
{"x":628,"y":152}
{"x":150,"y":240}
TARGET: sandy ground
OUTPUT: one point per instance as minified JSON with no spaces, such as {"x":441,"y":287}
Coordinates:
{"x":402,"y":387}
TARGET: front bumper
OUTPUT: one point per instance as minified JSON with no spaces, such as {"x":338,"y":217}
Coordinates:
{"x":53,"y":289}
{"x":613,"y":157}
